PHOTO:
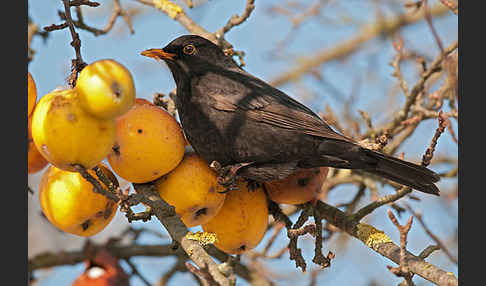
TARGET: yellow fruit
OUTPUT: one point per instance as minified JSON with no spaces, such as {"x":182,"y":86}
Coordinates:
{"x":242,"y":221}
{"x":149,"y":144}
{"x":192,"y":188}
{"x":70,"y":204}
{"x":65,"y":134}
{"x":106,"y":89}
{"x":297,"y":188}
{"x":32,"y":94}
{"x":35,"y":160}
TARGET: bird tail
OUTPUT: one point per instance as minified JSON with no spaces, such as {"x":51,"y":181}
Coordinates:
{"x":409,"y":174}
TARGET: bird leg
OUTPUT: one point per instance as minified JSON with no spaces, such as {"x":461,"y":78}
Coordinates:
{"x":227,"y":174}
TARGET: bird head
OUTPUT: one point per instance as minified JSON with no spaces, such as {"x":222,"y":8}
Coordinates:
{"x":191,"y":54}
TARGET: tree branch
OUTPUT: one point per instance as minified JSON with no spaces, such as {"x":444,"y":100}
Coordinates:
{"x":177,"y":230}
{"x":379,"y":242}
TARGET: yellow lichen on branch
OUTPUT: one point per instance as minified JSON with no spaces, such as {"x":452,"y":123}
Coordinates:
{"x":168,"y":7}
{"x":371,"y":236}
{"x":204,"y":238}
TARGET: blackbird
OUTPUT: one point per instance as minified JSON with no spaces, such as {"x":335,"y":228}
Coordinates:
{"x":247,"y":128}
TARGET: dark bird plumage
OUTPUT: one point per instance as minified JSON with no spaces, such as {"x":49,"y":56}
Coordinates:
{"x":232,"y":117}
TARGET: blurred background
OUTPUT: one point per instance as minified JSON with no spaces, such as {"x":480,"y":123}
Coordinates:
{"x":278,"y":37}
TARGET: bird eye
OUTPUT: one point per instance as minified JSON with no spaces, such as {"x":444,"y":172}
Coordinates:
{"x":189,"y":49}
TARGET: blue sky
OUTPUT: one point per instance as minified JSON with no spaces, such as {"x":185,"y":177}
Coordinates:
{"x":258,"y":37}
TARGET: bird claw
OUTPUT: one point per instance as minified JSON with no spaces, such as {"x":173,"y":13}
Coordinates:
{"x":229,"y":188}
{"x":227,"y":178}
{"x":227,"y":175}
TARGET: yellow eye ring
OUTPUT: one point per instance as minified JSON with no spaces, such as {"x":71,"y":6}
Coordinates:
{"x":189,"y":49}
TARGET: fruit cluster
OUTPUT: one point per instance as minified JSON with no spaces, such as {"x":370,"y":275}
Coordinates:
{"x":102,"y":118}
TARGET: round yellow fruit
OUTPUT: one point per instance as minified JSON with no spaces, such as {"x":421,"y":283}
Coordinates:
{"x":149,"y":144}
{"x":66,"y":135}
{"x":70,"y":204}
{"x":32,"y":94}
{"x":298,"y":188}
{"x":106,"y":89}
{"x":192,"y":188}
{"x":242,"y":221}
{"x":36,"y":161}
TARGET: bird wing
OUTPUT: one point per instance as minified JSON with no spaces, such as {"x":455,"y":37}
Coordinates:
{"x":264,"y":103}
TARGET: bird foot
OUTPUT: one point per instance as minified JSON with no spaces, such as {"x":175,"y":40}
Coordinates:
{"x":227,"y":175}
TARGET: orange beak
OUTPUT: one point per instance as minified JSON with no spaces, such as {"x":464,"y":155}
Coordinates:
{"x":158,"y":54}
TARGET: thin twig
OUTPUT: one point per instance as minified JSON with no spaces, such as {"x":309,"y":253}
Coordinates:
{"x":74,"y":3}
{"x":278,"y":215}
{"x":429,"y":153}
{"x":364,"y":211}
{"x":78,"y":64}
{"x":97,"y":187}
{"x":432,"y":235}
{"x":416,"y":90}
{"x":428,"y":18}
{"x":428,"y":251}
{"x":398,"y":45}
{"x":402,"y":270}
{"x":236,"y":20}
{"x":294,"y":233}
{"x":319,"y":258}
{"x":117,"y":11}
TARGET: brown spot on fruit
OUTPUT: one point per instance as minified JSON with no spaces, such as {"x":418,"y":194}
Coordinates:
{"x":201,"y":212}
{"x":86,"y":224}
{"x":211,"y":189}
{"x":116,"y":149}
{"x":303,"y":181}
{"x":115,"y":87}
{"x":71,"y":117}
{"x":140,"y":131}
{"x":59,"y":101}
{"x":242,"y":248}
